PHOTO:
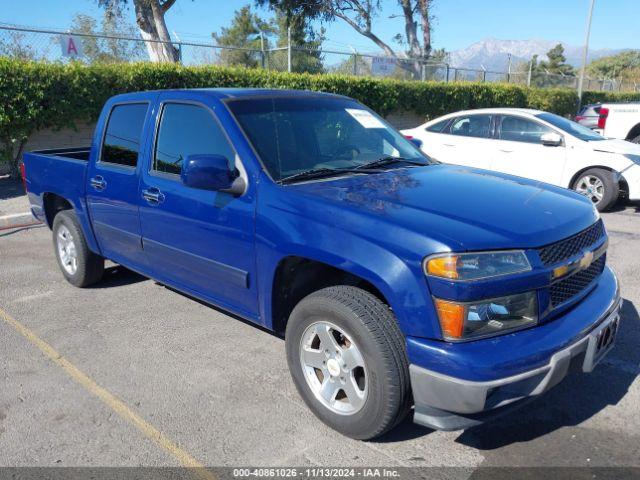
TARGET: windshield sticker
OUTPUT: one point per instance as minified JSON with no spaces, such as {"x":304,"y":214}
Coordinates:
{"x":365,"y":118}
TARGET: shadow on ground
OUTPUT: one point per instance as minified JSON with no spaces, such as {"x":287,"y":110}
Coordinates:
{"x":573,"y":401}
{"x":118,"y":276}
{"x":10,"y":188}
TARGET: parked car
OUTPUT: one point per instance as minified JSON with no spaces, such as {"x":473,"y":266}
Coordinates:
{"x":589,"y":116}
{"x":537,"y":145}
{"x":394,"y":279}
{"x":619,"y":120}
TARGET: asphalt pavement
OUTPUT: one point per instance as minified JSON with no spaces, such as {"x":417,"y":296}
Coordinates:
{"x":131,"y":373}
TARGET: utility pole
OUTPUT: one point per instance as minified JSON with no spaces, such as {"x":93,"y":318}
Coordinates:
{"x":289,"y":49}
{"x":262,"y":53}
{"x":584,"y":54}
{"x":509,"y":68}
{"x":530,"y":71}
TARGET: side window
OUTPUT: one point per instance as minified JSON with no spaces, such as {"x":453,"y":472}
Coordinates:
{"x":187,"y":130}
{"x":517,"y":129}
{"x":478,"y":126}
{"x":123,"y":135}
{"x":438,"y":126}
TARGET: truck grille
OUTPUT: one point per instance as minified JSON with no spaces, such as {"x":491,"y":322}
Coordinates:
{"x":566,"y":289}
{"x":565,"y":249}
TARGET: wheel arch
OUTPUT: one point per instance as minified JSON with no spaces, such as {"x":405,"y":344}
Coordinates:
{"x":297,"y":276}
{"x":634,"y":132}
{"x":576,"y":175}
{"x":52,"y":204}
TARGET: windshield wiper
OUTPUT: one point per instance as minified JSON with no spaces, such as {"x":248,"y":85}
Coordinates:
{"x":319,"y":173}
{"x":388,"y":160}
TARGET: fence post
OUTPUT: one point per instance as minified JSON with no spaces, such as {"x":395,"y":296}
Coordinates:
{"x":530,"y":71}
{"x":446,"y":79}
{"x":355,"y":64}
{"x":289,"y":49}
{"x":262,"y":52}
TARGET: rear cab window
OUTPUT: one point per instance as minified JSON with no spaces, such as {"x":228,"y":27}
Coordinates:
{"x":123,"y":135}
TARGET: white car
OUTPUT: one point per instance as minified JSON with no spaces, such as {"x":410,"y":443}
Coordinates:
{"x":537,"y":145}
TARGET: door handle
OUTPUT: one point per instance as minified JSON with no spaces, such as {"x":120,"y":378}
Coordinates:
{"x":153,"y":195}
{"x":449,"y":144}
{"x":506,"y":151}
{"x":98,"y":183}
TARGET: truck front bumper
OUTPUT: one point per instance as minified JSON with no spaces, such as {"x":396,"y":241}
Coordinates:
{"x":447,"y":402}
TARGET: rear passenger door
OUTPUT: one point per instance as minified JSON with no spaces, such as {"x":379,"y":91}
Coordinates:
{"x":199,"y":241}
{"x":112,"y":190}
{"x":521,"y":152}
{"x":467,"y":141}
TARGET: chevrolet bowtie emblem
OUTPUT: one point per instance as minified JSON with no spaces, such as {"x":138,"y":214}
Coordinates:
{"x":586,"y":260}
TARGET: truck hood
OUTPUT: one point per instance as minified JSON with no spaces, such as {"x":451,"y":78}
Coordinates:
{"x":615,"y":146}
{"x":459,"y":207}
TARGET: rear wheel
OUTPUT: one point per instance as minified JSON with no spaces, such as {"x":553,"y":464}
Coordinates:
{"x":599,"y":186}
{"x":347,"y":358}
{"x":79,"y":265}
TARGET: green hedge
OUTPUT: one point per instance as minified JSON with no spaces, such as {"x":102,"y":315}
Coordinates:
{"x":40,"y":95}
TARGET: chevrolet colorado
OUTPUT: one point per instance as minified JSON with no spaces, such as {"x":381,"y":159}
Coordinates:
{"x":397,"y":282}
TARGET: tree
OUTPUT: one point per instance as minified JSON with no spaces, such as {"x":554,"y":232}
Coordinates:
{"x":624,"y":65}
{"x":16,"y":47}
{"x":108,"y":50}
{"x":153,"y":28}
{"x":359,"y":14}
{"x":557,"y":62}
{"x":245,"y":31}
{"x":249,"y":31}
{"x":307,"y":54}
{"x":547,"y":73}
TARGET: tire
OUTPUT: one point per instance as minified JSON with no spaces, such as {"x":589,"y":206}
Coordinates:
{"x":635,"y":139}
{"x":79,"y":265}
{"x":359,"y":323}
{"x":599,"y":186}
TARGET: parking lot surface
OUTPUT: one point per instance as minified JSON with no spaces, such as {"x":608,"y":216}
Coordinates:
{"x":219,"y":389}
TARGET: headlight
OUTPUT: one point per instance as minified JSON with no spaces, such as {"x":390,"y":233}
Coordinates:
{"x":461,"y":321}
{"x":633,"y":158}
{"x":474,"y":266}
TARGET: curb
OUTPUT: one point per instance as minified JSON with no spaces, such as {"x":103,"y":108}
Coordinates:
{"x":17,"y":220}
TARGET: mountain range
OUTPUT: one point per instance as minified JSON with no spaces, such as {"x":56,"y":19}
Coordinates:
{"x":493,"y":54}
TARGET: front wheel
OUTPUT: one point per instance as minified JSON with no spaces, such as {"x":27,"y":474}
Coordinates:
{"x":347,"y":358}
{"x":79,"y":265}
{"x":599,"y":186}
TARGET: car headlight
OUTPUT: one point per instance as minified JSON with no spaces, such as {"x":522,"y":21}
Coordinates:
{"x":485,"y":318}
{"x":475,"y":266}
{"x":633,"y":158}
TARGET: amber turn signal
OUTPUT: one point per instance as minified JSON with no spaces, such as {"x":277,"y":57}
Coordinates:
{"x":444,"y":267}
{"x":451,"y":316}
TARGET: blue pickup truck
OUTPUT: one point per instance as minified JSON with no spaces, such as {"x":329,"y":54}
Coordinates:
{"x":398,"y":282}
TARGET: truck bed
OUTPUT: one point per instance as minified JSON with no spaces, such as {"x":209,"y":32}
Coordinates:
{"x":76,"y":153}
{"x":59,"y":171}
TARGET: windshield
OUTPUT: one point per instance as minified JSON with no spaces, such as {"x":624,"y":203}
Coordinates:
{"x":572,"y":128}
{"x":295,"y":135}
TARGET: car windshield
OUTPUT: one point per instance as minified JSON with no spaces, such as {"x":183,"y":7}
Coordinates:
{"x":293,"y":135}
{"x":572,"y":128}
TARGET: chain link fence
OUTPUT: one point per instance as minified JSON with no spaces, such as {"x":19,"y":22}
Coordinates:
{"x":50,"y":45}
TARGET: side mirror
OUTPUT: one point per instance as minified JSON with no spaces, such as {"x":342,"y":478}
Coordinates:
{"x":416,"y":141}
{"x":211,"y":172}
{"x":551,"y":139}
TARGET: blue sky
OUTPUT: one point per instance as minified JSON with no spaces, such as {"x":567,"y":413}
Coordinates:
{"x":458,"y":23}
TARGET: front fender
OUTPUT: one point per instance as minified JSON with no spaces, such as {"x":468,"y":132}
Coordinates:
{"x":281,"y":234}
